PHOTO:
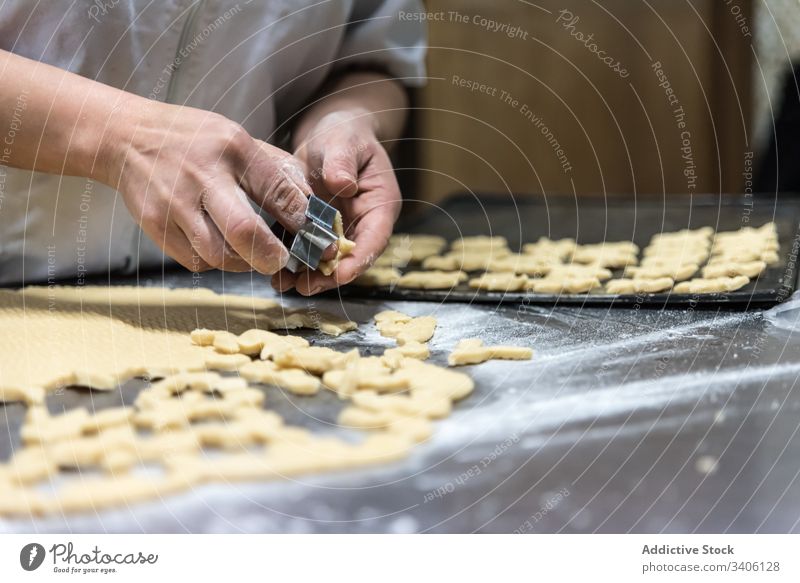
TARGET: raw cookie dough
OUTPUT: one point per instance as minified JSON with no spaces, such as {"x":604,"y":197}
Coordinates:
{"x":190,"y":412}
{"x":677,"y":272}
{"x":635,"y":286}
{"x":524,"y":264}
{"x":410,"y":349}
{"x":479,"y":243}
{"x":502,"y":281}
{"x":378,"y":277}
{"x":560,"y":285}
{"x":404,"y":328}
{"x":611,"y":257}
{"x":749,"y":268}
{"x":578,"y":270}
{"x":466,"y":259}
{"x":719,"y":284}
{"x":560,"y":249}
{"x":473,"y":351}
{"x":124,"y":332}
{"x":431,"y":279}
{"x":404,"y":249}
{"x":344,"y":247}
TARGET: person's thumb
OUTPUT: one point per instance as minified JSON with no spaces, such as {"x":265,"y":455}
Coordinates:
{"x":340,"y":166}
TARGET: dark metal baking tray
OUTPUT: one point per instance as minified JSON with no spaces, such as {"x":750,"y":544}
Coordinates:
{"x":593,"y":220}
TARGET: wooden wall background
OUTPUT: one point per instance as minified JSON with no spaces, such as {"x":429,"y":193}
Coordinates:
{"x":619,"y":134}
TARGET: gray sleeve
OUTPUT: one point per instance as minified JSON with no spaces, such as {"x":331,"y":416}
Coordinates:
{"x":386,"y":35}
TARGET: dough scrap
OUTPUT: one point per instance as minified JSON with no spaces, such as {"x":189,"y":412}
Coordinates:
{"x":719,"y":284}
{"x":501,"y":281}
{"x":431,"y":279}
{"x":636,"y":286}
{"x":473,"y":351}
{"x":344,"y":247}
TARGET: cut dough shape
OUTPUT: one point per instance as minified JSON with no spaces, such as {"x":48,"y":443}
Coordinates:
{"x":559,"y":285}
{"x":604,"y":257}
{"x":636,"y":286}
{"x":404,"y":249}
{"x":465,"y":260}
{"x":404,"y":328}
{"x":580,"y":271}
{"x":294,"y":380}
{"x":473,"y":351}
{"x":677,"y":272}
{"x":378,"y":277}
{"x":479,"y":243}
{"x":501,"y":281}
{"x":431,"y":279}
{"x":344,"y":247}
{"x":560,"y":249}
{"x":411,"y":349}
{"x":313,"y":359}
{"x":719,"y":284}
{"x":524,"y":264}
{"x":750,"y":269}
{"x":371,"y":373}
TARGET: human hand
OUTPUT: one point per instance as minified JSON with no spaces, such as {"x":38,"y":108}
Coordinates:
{"x":348,"y":166}
{"x":187,"y":175}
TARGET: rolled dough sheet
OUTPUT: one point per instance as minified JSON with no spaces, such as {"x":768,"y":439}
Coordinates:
{"x":100,"y":337}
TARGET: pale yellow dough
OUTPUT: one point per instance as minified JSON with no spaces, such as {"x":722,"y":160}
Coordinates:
{"x":560,"y":285}
{"x":479,"y":243}
{"x":560,"y":249}
{"x":404,"y":328}
{"x":678,"y":272}
{"x":344,"y":247}
{"x":187,"y":413}
{"x":719,"y":284}
{"x":749,"y":268}
{"x":431,"y":279}
{"x":378,"y":277}
{"x":524,"y":264}
{"x":404,"y":249}
{"x":466,"y":259}
{"x":635,"y":286}
{"x":101,"y":337}
{"x":505,"y":282}
{"x":473,"y":351}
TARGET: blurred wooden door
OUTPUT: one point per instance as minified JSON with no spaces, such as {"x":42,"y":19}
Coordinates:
{"x":522,"y":99}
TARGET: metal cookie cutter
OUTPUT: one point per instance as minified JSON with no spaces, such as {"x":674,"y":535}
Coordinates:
{"x":314,"y":236}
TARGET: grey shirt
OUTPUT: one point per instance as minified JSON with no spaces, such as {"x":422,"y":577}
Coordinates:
{"x":255,"y":61}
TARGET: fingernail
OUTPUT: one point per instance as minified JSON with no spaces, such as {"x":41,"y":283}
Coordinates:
{"x":284,"y":258}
